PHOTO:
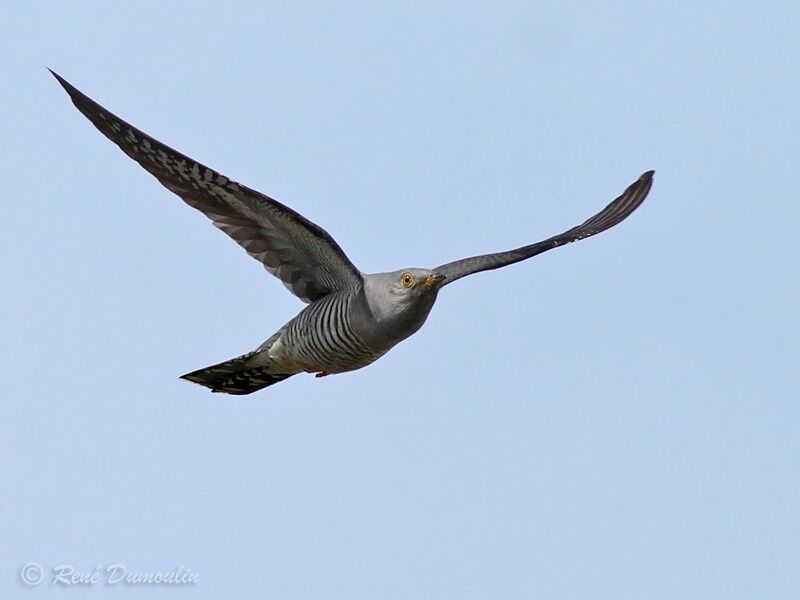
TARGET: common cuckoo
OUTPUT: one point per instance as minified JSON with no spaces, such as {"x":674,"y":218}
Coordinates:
{"x":352,"y":318}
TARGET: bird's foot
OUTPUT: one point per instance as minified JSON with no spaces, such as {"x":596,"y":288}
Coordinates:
{"x":322,"y":374}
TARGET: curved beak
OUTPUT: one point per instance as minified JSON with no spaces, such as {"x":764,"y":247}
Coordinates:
{"x":434,"y":281}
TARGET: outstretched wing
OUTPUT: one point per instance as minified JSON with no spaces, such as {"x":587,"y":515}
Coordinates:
{"x":614,"y":213}
{"x":301,"y":254}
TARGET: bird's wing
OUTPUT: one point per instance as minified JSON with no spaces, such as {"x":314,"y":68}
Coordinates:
{"x":614,"y":213}
{"x":301,"y":254}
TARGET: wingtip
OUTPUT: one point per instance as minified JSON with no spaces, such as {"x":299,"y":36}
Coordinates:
{"x":58,"y":77}
{"x":68,"y":87}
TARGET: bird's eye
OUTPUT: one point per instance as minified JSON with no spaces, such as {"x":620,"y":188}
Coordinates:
{"x":407,"y":279}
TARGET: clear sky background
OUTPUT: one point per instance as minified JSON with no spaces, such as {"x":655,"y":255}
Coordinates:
{"x":614,"y":419}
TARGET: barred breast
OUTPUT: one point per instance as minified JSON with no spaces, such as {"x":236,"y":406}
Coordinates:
{"x":322,"y":337}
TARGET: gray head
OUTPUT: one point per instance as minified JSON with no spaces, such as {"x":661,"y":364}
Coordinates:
{"x":401,"y":300}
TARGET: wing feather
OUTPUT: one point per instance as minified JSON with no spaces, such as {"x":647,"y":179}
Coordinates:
{"x":613,"y":214}
{"x":301,"y":254}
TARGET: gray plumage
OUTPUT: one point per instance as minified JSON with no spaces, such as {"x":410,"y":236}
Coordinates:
{"x":352,"y":318}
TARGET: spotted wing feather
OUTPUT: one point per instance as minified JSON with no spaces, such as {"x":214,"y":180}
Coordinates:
{"x":301,"y":254}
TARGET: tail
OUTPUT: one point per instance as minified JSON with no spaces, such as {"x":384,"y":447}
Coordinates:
{"x":234,"y":376}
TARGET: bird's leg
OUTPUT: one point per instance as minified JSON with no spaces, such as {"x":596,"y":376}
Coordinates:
{"x":323,"y":374}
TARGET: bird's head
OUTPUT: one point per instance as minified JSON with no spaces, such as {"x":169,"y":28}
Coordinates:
{"x":401,"y":300}
{"x":409,"y":286}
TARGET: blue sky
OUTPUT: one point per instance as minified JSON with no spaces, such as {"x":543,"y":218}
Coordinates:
{"x":614,"y":419}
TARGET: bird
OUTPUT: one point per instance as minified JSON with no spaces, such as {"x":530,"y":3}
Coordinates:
{"x":351,"y":318}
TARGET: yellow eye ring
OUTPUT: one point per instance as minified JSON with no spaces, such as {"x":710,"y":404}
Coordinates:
{"x":407,"y":279}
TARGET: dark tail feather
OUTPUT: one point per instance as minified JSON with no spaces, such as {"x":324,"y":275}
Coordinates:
{"x":234,"y":377}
